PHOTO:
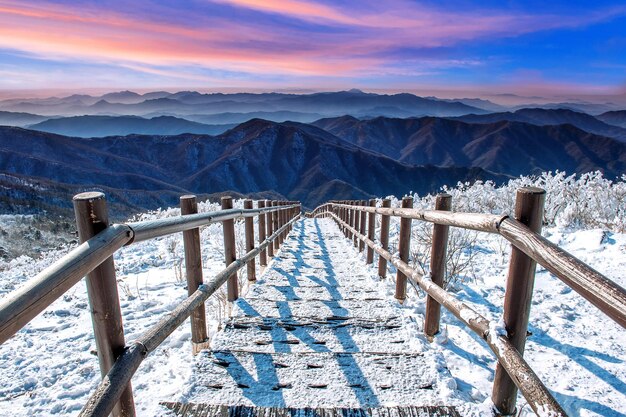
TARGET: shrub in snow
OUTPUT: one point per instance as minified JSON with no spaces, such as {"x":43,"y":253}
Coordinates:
{"x":572,"y":201}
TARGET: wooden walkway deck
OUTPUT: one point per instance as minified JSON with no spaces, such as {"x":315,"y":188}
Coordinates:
{"x":316,"y":335}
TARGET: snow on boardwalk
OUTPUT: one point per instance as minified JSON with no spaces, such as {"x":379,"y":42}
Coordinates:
{"x":316,"y":331}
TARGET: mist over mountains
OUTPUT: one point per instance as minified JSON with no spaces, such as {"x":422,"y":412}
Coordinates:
{"x":145,"y":150}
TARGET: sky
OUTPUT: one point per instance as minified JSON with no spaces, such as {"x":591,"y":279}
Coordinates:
{"x":523,"y":47}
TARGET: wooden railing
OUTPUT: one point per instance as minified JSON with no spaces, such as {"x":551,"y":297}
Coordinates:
{"x":94,"y":258}
{"x":528,"y":249}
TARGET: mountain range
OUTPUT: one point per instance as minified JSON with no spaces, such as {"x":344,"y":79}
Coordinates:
{"x":94,"y":126}
{"x":294,"y":160}
{"x":184,"y":103}
{"x":276,"y":145}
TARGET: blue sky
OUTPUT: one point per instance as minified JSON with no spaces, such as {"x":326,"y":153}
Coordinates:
{"x":529,"y":47}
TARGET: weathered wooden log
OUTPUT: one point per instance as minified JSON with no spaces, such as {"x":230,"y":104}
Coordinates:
{"x":363,"y":225}
{"x":230,"y":251}
{"x":535,"y":392}
{"x":438,"y":254}
{"x":275,"y":225}
{"x":356,"y":222}
{"x":269,"y":225}
{"x":404,"y":248}
{"x":474,"y":221}
{"x":193,"y":272}
{"x":371,"y":232}
{"x":21,"y":306}
{"x":518,"y":296}
{"x":249,"y":231}
{"x":92,"y":217}
{"x":605,"y":294}
{"x":384,"y":239}
{"x":262,"y":230}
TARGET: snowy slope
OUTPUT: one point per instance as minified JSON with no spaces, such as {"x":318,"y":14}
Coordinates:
{"x":47,"y":368}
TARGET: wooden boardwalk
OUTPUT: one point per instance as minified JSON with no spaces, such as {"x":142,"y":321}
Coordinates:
{"x":316,"y":335}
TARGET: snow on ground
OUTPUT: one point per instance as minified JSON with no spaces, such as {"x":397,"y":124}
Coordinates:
{"x":578,"y":352}
{"x":48,"y":367}
{"x":329,"y":352}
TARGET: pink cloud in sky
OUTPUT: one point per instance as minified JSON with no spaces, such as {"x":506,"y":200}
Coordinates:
{"x":363,"y":37}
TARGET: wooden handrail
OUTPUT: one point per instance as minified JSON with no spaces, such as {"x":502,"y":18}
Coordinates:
{"x":22,"y":305}
{"x":475,"y":221}
{"x":606,"y":295}
{"x":150,"y":229}
{"x":110,"y":388}
{"x":25,"y":303}
{"x":535,"y":392}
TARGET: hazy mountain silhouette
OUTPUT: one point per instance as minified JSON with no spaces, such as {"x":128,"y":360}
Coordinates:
{"x":616,"y":118}
{"x":8,"y":118}
{"x":97,"y":126}
{"x":184,"y":103}
{"x":507,"y":147}
{"x":543,"y":117}
{"x":275,"y":116}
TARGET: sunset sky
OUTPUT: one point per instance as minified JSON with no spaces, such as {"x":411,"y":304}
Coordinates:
{"x":529,"y":47}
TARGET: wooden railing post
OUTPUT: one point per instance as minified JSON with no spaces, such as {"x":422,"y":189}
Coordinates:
{"x":346,"y":218}
{"x":281,"y":222}
{"x":356,"y":222}
{"x":438,"y":253}
{"x":269,"y":228}
{"x":283,"y":235}
{"x":371,"y":232}
{"x":404,"y":247}
{"x":362,"y":229}
{"x":230,"y":253}
{"x":275,"y":226}
{"x":341,"y":216}
{"x":193,"y":271}
{"x":92,"y":217}
{"x":384,"y":239}
{"x":262,"y":216}
{"x":249,"y":230}
{"x":518,"y":296}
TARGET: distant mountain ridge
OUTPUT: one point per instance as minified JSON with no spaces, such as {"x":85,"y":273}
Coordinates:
{"x":616,"y":118}
{"x":294,"y":160}
{"x":512,"y":148}
{"x":184,"y":103}
{"x":542,"y":117}
{"x":98,"y":126}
